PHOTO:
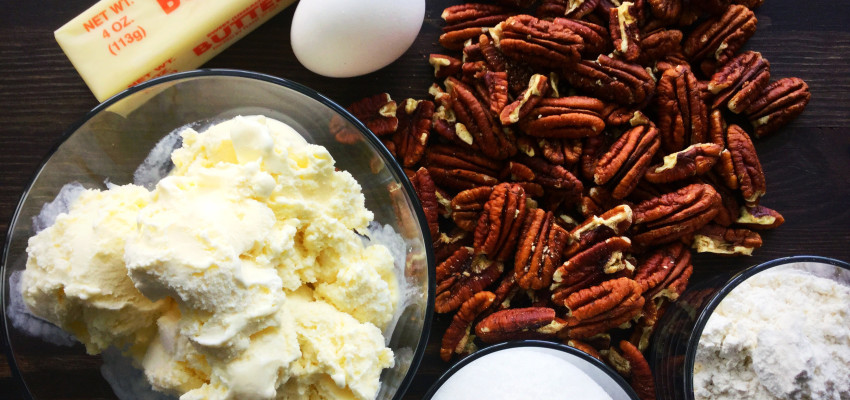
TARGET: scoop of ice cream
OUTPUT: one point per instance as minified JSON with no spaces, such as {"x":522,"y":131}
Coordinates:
{"x":75,"y":275}
{"x":253,"y":241}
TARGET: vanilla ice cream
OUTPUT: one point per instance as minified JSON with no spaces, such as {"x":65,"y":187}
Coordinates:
{"x":241,"y":275}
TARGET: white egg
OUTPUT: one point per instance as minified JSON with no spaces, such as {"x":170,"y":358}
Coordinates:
{"x":344,"y":38}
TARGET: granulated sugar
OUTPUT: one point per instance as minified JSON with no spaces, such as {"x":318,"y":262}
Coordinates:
{"x":521,"y":373}
{"x":781,"y":334}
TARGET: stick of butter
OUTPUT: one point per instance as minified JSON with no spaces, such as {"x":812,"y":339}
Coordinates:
{"x":116,"y":44}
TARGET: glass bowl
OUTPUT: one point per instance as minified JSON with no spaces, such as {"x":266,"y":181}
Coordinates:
{"x":497,"y":369}
{"x":112,"y":140}
{"x":673,"y":352}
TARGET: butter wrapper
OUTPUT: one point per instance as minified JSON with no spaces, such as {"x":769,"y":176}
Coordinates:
{"x":116,"y":44}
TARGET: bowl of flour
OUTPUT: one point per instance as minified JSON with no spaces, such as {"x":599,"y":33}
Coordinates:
{"x":530,"y":369}
{"x":778,"y":330}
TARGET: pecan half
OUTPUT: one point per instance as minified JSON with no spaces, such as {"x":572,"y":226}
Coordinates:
{"x":498,"y":227}
{"x":747,"y":165}
{"x":585,"y":347}
{"x":740,"y":81}
{"x":561,"y":151}
{"x":539,"y":250}
{"x":665,"y":218}
{"x":640,"y":375}
{"x":625,"y":33}
{"x":495,"y":86}
{"x":538,"y":85}
{"x":571,"y":117}
{"x":505,"y":292}
{"x":458,"y":169}
{"x":720,"y":240}
{"x":377,"y":112}
{"x":444,"y":121}
{"x":779,"y":104}
{"x":590,"y":267}
{"x":456,"y":338}
{"x":599,"y":308}
{"x":666,"y":11}
{"x":594,"y":147}
{"x":444,"y":66}
{"x":538,"y":42}
{"x":596,"y":38}
{"x":660,"y":43}
{"x":467,"y":206}
{"x":461,"y":276}
{"x":682,"y":114}
{"x":519,"y":323}
{"x":414,"y":129}
{"x":617,"y":114}
{"x":717,"y":133}
{"x":625,"y":163}
{"x":720,"y":38}
{"x":467,"y":21}
{"x":487,"y":135}
{"x":424,"y":187}
{"x":696,"y":160}
{"x":664,"y":273}
{"x":494,"y":57}
{"x":759,"y":217}
{"x":612,"y":80}
{"x":594,"y":229}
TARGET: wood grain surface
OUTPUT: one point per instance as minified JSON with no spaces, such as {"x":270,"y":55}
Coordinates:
{"x":807,"y":163}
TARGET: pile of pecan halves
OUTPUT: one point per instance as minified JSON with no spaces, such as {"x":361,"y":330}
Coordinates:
{"x":572,"y":153}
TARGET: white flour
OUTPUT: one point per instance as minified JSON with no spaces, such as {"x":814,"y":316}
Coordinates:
{"x":781,"y":334}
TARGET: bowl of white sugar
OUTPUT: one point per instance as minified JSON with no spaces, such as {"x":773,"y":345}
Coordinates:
{"x":778,"y":330}
{"x":530,"y":369}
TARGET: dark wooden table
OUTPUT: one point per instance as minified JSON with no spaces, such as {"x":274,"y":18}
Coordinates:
{"x":807,"y":164}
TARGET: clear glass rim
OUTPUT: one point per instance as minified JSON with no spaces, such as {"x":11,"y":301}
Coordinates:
{"x":731,"y":284}
{"x":530,"y":343}
{"x":390,"y":161}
